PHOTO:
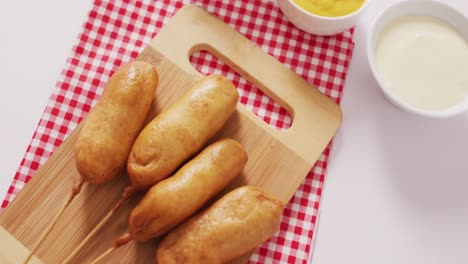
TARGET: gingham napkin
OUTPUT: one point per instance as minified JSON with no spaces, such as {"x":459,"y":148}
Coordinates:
{"x":116,"y":31}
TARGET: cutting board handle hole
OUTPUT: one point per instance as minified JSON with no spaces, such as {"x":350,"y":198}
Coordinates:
{"x":251,"y":96}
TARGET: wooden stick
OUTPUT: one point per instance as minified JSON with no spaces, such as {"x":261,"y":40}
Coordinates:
{"x":128,"y":192}
{"x":88,"y":237}
{"x":122,"y":240}
{"x":103,"y":255}
{"x":75,"y":190}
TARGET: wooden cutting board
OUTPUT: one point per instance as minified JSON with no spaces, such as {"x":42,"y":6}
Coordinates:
{"x":278,"y":160}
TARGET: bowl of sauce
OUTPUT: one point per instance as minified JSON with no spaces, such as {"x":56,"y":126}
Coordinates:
{"x":323,"y":17}
{"x":418,"y":53}
{"x":330,"y":8}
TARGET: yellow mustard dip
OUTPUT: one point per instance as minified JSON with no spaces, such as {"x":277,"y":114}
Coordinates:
{"x":330,"y":8}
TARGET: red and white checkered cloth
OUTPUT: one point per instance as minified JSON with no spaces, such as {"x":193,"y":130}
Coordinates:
{"x":116,"y":31}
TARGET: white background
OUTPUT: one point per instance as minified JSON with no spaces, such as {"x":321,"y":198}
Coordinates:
{"x":36,"y":37}
{"x":397,"y":184}
{"x":397,"y":187}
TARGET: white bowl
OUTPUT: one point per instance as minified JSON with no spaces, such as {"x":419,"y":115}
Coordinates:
{"x":432,"y":8}
{"x":319,"y":25}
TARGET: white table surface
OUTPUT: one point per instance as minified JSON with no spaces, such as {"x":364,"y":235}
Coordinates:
{"x":397,"y":185}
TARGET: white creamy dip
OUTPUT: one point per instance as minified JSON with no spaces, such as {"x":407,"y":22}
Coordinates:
{"x":424,"y":62}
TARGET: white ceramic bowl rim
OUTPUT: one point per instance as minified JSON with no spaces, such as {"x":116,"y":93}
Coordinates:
{"x":451,"y":111}
{"x":359,"y":10}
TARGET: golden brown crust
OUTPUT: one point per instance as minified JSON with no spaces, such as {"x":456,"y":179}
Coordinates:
{"x":181,"y":131}
{"x":231,"y":227}
{"x":111,"y":127}
{"x":173,"y":200}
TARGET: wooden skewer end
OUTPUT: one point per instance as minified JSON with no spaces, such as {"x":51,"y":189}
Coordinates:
{"x":75,"y":191}
{"x":122,"y":240}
